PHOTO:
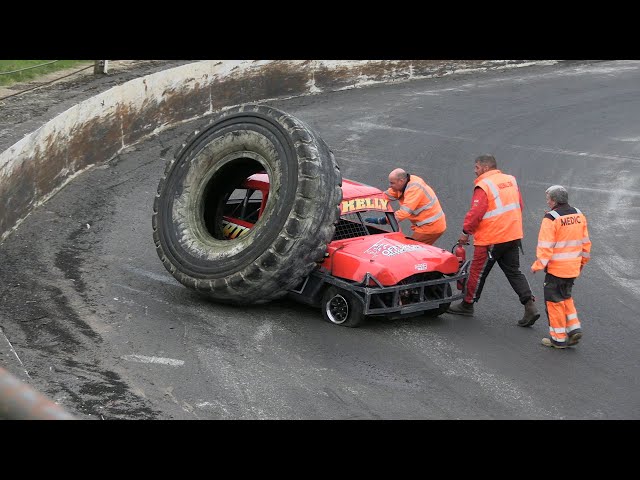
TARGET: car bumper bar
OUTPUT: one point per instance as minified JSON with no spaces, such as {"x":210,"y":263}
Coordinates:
{"x":381,"y":300}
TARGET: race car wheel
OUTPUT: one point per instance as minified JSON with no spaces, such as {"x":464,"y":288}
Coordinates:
{"x":443,"y":307}
{"x":296,"y":225}
{"x":341,"y":308}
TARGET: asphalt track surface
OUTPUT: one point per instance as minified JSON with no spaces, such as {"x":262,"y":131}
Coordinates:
{"x":91,"y":318}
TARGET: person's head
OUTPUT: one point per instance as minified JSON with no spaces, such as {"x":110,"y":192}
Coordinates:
{"x":398,"y":179}
{"x":556,"y":195}
{"x":484,"y":163}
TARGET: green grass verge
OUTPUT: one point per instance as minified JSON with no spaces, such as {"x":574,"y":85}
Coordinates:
{"x":41,"y":68}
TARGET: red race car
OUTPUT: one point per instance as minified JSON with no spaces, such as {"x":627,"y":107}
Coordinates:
{"x":369,"y":269}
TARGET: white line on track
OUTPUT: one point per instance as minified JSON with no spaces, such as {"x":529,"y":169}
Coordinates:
{"x":145,"y":359}
{"x":608,"y":191}
{"x":619,"y":67}
{"x":14,"y":352}
{"x":366,"y":126}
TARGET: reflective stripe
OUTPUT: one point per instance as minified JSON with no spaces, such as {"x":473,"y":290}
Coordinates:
{"x":546,"y":244}
{"x":572,"y":316}
{"x":558,"y":330}
{"x":544,"y":261}
{"x":586,"y":255}
{"x":568,"y":243}
{"x":494,"y":191}
{"x":415,"y":184}
{"x":496,"y":197}
{"x":554,"y":214}
{"x":416,"y":212}
{"x":432,"y":200}
{"x":557,"y":256}
{"x":501,"y":210}
{"x":426,"y":207}
{"x":578,"y":211}
{"x":430,"y":219}
{"x":573,"y":327}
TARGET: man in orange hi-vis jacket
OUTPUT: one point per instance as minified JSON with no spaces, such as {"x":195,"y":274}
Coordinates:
{"x":495,"y":221}
{"x":418,"y":204}
{"x":564,"y":248}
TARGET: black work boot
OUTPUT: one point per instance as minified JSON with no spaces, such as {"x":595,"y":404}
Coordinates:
{"x":462,"y":308}
{"x":530,"y":314}
{"x":574,"y":338}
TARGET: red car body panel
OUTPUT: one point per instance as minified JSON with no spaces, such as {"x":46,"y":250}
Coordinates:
{"x":390,"y":257}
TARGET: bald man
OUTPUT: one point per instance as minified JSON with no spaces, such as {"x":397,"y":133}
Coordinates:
{"x":418,"y":204}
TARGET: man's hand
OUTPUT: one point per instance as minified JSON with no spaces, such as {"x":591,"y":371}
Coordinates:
{"x":533,"y":271}
{"x":464,"y":239}
{"x":377,"y":221}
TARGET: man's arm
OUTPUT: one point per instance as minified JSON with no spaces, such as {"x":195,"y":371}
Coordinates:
{"x":521,"y":202}
{"x":413,"y":198}
{"x":586,"y":244}
{"x":392,"y":194}
{"x":479,"y":206}
{"x":546,"y":241}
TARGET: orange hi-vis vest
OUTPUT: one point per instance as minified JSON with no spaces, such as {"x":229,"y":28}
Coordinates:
{"x":503,"y":220}
{"x":420,"y":205}
{"x":563,"y":242}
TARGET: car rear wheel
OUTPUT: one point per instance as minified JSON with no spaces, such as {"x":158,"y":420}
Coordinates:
{"x":341,"y":307}
{"x":299,"y":217}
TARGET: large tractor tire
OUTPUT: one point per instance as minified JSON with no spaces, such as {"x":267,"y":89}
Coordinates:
{"x":292,"y":234}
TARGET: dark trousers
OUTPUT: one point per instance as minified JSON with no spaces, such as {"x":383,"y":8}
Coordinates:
{"x":507,"y":255}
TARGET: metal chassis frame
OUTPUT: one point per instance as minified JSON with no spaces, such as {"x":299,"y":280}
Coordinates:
{"x":367,"y":294}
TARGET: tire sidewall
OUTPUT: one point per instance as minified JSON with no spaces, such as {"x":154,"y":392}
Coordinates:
{"x":290,"y":238}
{"x":187,"y":242}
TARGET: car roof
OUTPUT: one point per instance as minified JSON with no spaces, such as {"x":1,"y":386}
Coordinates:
{"x":350,"y":188}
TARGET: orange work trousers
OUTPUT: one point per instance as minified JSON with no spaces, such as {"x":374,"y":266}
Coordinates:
{"x":561,"y":311}
{"x":428,"y":238}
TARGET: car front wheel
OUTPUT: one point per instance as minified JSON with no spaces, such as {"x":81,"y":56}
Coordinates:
{"x":341,"y":307}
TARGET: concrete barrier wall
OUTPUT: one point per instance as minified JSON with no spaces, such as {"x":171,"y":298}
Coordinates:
{"x":97,"y":129}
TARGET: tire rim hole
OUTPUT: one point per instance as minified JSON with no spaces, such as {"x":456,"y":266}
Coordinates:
{"x":230,"y":207}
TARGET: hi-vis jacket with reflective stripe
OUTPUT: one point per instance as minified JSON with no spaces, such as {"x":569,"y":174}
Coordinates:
{"x":503,"y":220}
{"x":563,"y":242}
{"x":420,"y":205}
